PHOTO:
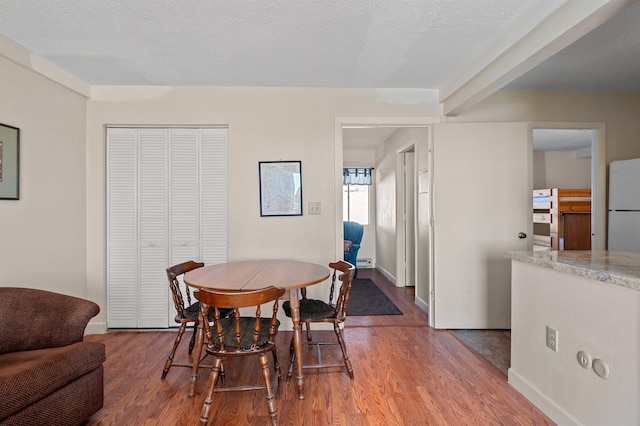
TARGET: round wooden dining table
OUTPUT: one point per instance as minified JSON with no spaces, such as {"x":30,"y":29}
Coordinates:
{"x":252,"y":275}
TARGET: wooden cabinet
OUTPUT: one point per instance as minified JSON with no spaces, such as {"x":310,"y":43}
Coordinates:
{"x":561,"y":219}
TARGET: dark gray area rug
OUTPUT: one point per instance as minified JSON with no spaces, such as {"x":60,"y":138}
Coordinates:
{"x":367,"y":299}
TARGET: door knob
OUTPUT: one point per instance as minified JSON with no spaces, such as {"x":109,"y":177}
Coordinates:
{"x":522,"y":235}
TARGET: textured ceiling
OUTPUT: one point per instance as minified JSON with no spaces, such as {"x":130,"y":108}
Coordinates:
{"x":298,"y":43}
{"x":607,"y":58}
{"x":417,"y":44}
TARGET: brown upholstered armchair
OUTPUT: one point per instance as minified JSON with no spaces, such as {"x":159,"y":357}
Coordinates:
{"x":48,"y":374}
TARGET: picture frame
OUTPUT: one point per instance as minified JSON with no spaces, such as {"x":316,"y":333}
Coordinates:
{"x":280,"y":188}
{"x":9,"y":162}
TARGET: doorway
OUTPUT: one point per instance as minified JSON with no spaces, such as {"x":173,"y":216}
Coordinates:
{"x":390,"y":236}
{"x":406,"y":218}
{"x":573,"y":155}
{"x":570,"y":144}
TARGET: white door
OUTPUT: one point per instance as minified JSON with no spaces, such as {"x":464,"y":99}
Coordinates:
{"x":482,"y":183}
{"x":166,"y":203}
{"x":122,"y":228}
{"x":409,"y":219}
{"x":152,"y":202}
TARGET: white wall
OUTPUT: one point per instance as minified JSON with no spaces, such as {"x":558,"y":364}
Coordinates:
{"x":596,"y":317}
{"x":43,"y":234}
{"x":58,"y":225}
{"x":386,"y":188}
{"x":264,"y":124}
{"x":424,"y":237}
{"x":619,"y":112}
{"x":273,"y":123}
{"x":386,"y":215}
{"x":560,"y":169}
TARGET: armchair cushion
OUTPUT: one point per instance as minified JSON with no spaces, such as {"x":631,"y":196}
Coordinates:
{"x":48,"y":374}
{"x":42,"y":319}
{"x":25,"y":377}
{"x":352,"y":232}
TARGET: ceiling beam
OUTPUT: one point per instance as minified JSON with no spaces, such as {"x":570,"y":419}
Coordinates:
{"x":568,"y":23}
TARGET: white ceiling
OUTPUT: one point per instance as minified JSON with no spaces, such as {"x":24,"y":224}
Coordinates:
{"x":419,"y":44}
{"x":299,"y":43}
{"x":607,"y":58}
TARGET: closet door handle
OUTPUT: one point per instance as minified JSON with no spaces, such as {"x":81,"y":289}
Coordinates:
{"x":522,"y":235}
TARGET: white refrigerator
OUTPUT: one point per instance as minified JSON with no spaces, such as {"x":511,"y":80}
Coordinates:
{"x":624,"y":205}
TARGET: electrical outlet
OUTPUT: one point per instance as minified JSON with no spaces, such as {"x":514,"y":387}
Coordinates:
{"x":314,"y":208}
{"x":552,"y":338}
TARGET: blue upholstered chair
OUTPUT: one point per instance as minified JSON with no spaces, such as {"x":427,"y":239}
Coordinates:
{"x":353,"y":232}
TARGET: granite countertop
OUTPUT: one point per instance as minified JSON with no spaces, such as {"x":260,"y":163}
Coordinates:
{"x":612,"y":267}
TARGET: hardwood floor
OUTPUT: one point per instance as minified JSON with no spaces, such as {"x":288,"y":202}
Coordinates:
{"x":405,"y":374}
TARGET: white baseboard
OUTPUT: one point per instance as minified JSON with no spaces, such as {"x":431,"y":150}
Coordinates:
{"x":540,"y":400}
{"x":387,"y":274}
{"x":96,"y":328}
{"x":422,"y":304}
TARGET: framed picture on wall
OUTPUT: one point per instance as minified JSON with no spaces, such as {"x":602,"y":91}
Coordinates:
{"x":9,"y":162}
{"x":280,"y":188}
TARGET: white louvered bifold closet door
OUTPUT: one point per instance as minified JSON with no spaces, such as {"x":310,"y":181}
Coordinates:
{"x":122,"y":228}
{"x":214,"y":196}
{"x":167,"y":203}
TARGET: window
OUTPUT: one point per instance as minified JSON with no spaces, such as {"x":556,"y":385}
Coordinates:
{"x":355,"y":203}
{"x":355,"y":194}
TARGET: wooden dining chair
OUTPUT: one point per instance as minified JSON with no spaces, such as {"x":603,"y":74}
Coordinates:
{"x":241,"y":336}
{"x":333,"y":311}
{"x":185,"y":315}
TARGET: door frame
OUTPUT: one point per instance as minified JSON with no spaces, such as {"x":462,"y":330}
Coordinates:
{"x":423,"y":122}
{"x":598,"y":174}
{"x":402,"y":220}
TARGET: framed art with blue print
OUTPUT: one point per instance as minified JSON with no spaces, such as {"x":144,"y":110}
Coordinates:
{"x":280,"y":188}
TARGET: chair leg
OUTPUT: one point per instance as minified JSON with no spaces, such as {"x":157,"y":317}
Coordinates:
{"x":308,"y":325}
{"x":264,"y":363}
{"x":276,"y":364}
{"x":176,"y":342}
{"x":347,"y":361}
{"x":193,"y":337}
{"x":292,"y":360}
{"x":222,"y":374}
{"x":206,"y":406}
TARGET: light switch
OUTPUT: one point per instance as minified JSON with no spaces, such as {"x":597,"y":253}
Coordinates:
{"x":314,"y":208}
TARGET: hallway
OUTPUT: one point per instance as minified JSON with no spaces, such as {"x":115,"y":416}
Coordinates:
{"x":491,"y":345}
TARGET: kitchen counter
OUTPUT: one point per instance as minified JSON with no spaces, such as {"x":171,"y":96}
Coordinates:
{"x":575,"y":334}
{"x":617,"y":268}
